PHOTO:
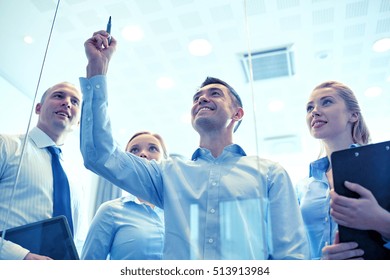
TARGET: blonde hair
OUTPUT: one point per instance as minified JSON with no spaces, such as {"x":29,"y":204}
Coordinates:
{"x":360,"y":132}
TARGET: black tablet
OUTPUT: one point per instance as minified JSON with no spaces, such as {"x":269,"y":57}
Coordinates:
{"x":368,"y":166}
{"x":50,"y":237}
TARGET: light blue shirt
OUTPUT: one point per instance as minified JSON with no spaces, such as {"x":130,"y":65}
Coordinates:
{"x":231,"y":207}
{"x":314,"y":200}
{"x":123,"y":229}
{"x":33,"y":196}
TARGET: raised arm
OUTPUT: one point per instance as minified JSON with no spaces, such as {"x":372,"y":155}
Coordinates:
{"x":99,"y":53}
{"x":100,"y":152}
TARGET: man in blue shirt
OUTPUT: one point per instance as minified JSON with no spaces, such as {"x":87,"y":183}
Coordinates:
{"x":221,"y":204}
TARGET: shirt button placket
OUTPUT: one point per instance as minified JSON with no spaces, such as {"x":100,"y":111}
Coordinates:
{"x":212,"y":230}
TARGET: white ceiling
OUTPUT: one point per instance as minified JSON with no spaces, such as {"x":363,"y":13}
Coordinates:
{"x":341,"y":31}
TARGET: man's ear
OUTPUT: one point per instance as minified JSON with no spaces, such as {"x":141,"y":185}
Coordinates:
{"x":239,"y":114}
{"x":38,"y":108}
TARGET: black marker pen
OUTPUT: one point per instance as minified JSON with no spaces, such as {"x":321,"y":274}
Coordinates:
{"x":109,"y":30}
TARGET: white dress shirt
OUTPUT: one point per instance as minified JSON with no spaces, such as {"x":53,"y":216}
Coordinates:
{"x":33,"y":195}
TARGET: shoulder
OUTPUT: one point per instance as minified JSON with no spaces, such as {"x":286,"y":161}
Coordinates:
{"x":302,"y":185}
{"x":270,"y":171}
{"x":110,"y":204}
{"x":105,"y":212}
{"x":264,"y":164}
{"x":11,"y":141}
{"x":116,"y":205}
{"x":9,"y":145}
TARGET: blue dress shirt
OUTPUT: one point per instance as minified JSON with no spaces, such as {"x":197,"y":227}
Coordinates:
{"x":314,"y":200}
{"x":230,"y":207}
{"x":123,"y":229}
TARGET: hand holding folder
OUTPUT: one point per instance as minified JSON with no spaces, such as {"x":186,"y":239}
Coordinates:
{"x":368,"y":166}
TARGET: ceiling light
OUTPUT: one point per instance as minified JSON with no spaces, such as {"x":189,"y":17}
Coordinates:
{"x":373,"y":92}
{"x":323,"y":55}
{"x":132,"y":33}
{"x":165,"y":83}
{"x":200,"y":47}
{"x":28,"y":39}
{"x":381,"y":45}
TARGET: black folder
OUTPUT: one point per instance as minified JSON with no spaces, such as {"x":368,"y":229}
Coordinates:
{"x":50,"y":237}
{"x":368,"y":166}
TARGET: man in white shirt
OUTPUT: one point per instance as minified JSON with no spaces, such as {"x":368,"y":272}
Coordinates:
{"x":30,"y":199}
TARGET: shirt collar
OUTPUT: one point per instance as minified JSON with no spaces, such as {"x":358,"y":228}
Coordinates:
{"x":232,"y":149}
{"x":320,"y":166}
{"x":40,"y":138}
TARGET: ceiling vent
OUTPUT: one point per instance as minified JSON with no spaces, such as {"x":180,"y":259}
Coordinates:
{"x":268,"y":64}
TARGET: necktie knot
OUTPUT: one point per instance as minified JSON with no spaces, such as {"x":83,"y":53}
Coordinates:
{"x":54,"y":151}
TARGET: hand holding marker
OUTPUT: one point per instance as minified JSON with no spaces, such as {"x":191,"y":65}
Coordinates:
{"x":109,"y":30}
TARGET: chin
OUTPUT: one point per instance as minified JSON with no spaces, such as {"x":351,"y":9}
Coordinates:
{"x":202,"y":124}
{"x":316,"y":135}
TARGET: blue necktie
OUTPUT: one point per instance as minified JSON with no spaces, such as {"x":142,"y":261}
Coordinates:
{"x":61,"y":191}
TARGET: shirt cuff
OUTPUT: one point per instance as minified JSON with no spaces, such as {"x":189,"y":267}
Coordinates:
{"x":12,"y":251}
{"x":94,"y":87}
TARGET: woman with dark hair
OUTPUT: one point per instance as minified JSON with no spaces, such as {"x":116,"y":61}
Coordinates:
{"x":334,"y":117}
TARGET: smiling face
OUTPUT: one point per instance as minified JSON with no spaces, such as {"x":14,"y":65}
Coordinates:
{"x":213,"y":108}
{"x":59,"y":110}
{"x":328,"y":117}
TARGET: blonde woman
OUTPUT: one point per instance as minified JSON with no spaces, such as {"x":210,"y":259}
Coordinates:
{"x":334,"y":117}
